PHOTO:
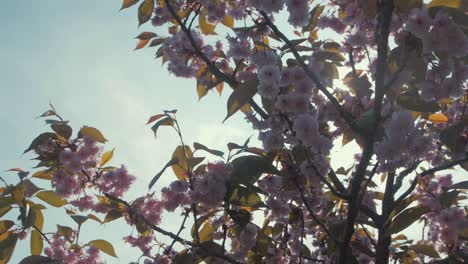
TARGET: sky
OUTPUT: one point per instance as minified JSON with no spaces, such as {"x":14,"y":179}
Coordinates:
{"x":79,"y":56}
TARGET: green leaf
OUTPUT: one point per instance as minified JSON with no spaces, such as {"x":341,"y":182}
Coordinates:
{"x":243,"y":196}
{"x":415,"y":103}
{"x":51,"y":198}
{"x":62,"y":130}
{"x":79,"y":219}
{"x":425,"y":249}
{"x":157,"y":176}
{"x":247,"y":169}
{"x":41,"y":140}
{"x":218,"y":153}
{"x":37,"y":242}
{"x":112,"y":215}
{"x":460,"y":185}
{"x":93,"y":133}
{"x":104,"y":246}
{"x":65,"y":231}
{"x":206,"y":232}
{"x":241,"y":96}
{"x":145,"y":11}
{"x":184,"y":258}
{"x":241,"y":217}
{"x":407,"y":218}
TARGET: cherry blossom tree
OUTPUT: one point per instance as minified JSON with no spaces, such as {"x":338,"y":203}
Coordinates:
{"x":309,"y":76}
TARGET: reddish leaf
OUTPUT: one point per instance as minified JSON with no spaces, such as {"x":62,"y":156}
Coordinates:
{"x":146,"y":35}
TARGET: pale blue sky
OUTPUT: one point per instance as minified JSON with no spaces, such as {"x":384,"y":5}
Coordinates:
{"x":79,"y":55}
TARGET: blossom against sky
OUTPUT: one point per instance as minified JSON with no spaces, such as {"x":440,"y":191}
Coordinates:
{"x":79,"y":56}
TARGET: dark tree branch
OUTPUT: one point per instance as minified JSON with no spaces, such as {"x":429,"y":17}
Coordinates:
{"x":210,"y":65}
{"x":344,"y":114}
{"x":175,"y":237}
{"x":428,"y":172}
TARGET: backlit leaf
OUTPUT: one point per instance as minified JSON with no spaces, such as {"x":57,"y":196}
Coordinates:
{"x":7,"y":246}
{"x":40,"y":140}
{"x":425,"y":249}
{"x":206,"y":27}
{"x":63,"y":130}
{"x":112,"y":215}
{"x":146,"y":35}
{"x":167,"y":121}
{"x":438,"y":118}
{"x":157,"y":176}
{"x":5,"y":225}
{"x":104,"y":246}
{"x":128,"y":3}
{"x":228,"y":21}
{"x":65,"y":231}
{"x":44,"y":174}
{"x":93,"y":133}
{"x":142,"y":43}
{"x":51,"y":198}
{"x":155,"y":117}
{"x":197,"y":146}
{"x":39,"y":260}
{"x":240,"y":96}
{"x":145,"y":10}
{"x":106,"y":157}
{"x":36,"y":242}
{"x":445,"y":3}
{"x":407,"y":218}
{"x":415,"y":103}
{"x":206,"y":232}
{"x":181,"y":167}
{"x":79,"y":219}
{"x":247,"y":169}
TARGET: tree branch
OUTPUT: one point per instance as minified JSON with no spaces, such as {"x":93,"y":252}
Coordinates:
{"x":210,"y":65}
{"x":175,"y":237}
{"x":344,"y":114}
{"x":427,"y":172}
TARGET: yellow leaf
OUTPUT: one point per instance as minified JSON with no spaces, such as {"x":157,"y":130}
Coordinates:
{"x":201,"y":91}
{"x":95,"y":218}
{"x":206,"y":232}
{"x":18,"y":193}
{"x":228,"y":21}
{"x":205,"y":27}
{"x":36,"y":243}
{"x":438,"y":118}
{"x":51,"y":198}
{"x":145,"y":10}
{"x":44,"y":174}
{"x":5,"y":225}
{"x":7,"y":246}
{"x":181,"y":168}
{"x":446,"y":3}
{"x":106,"y":157}
{"x":219,"y":88}
{"x":93,"y":133}
{"x":104,"y":246}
